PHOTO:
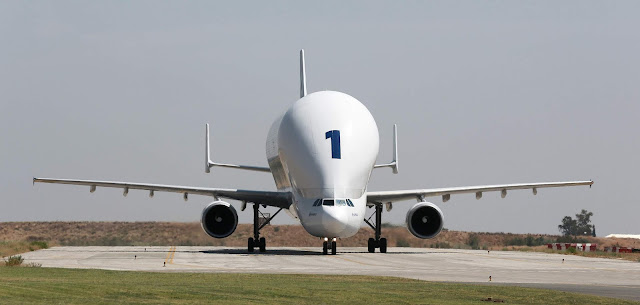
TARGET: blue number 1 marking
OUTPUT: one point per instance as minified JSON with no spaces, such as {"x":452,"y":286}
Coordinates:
{"x":334,"y":135}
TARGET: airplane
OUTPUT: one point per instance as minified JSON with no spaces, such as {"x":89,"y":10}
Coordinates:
{"x":321,"y":152}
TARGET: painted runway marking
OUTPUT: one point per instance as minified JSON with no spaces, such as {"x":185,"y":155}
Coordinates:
{"x":170,"y":255}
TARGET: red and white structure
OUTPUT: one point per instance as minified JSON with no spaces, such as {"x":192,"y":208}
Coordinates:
{"x":580,"y":247}
{"x":618,"y":249}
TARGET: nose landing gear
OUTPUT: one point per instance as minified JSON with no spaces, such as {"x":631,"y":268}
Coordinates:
{"x":326,"y":246}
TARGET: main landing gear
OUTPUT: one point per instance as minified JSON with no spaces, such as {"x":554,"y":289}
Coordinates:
{"x":326,"y":246}
{"x":256,"y":241}
{"x":378,"y":242}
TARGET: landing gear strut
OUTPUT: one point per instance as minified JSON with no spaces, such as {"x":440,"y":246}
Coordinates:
{"x":327,"y":245}
{"x":377,"y":242}
{"x":256,"y":241}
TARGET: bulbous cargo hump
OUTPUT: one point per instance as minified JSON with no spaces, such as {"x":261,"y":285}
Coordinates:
{"x":325,"y":146}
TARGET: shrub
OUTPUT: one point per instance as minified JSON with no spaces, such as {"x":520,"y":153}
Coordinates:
{"x":529,"y":241}
{"x":571,"y":239}
{"x":442,"y":244}
{"x":402,"y":243}
{"x":473,"y":241}
{"x":516,"y":241}
{"x":571,"y":250}
{"x":276,"y":229}
{"x":15,"y":260}
{"x":40,"y":244}
{"x":33,"y":265}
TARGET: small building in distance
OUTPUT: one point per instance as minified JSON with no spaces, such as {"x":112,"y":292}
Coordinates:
{"x":636,"y":236}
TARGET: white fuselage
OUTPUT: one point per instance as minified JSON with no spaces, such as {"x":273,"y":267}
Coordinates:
{"x":325,"y":147}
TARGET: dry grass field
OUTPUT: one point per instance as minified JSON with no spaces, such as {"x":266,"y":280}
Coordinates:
{"x":191,"y":234}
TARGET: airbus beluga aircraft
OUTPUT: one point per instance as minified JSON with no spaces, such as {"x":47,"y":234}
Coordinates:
{"x":321,"y":153}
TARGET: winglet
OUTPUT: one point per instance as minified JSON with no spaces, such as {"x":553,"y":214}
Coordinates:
{"x":207,"y":158}
{"x":395,"y":149}
{"x":394,"y":162}
{"x":303,"y":76}
{"x":208,"y":163}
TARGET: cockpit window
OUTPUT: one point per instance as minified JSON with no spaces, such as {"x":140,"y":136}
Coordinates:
{"x":317,"y":202}
{"x":349,"y":203}
{"x":329,"y":202}
{"x":341,"y":202}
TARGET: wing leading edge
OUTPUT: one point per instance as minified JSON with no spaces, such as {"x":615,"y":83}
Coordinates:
{"x":275,"y":199}
{"x":391,"y":196}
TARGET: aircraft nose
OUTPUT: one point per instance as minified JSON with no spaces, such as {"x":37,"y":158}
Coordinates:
{"x":334,"y":221}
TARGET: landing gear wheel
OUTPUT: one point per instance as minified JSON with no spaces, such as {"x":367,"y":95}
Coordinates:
{"x":250,"y":245}
{"x":383,"y":245}
{"x":263,"y":244}
{"x":324,"y":247}
{"x":333,"y":248}
{"x":371,"y":245}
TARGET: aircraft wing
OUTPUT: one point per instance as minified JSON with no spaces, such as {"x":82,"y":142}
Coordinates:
{"x":275,"y":199}
{"x":391,"y":196}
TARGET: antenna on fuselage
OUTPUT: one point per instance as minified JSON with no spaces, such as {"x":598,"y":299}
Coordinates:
{"x":303,"y":76}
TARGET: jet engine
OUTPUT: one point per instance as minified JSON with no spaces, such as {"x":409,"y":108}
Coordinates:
{"x":219,"y":219}
{"x":425,"y":220}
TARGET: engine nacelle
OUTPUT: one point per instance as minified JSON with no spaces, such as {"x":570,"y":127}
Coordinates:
{"x":425,"y":220}
{"x":219,"y":219}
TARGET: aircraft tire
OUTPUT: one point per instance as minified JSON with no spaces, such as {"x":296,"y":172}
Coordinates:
{"x":324,"y":247}
{"x":383,"y":245}
{"x":263,"y":244}
{"x":371,"y":245}
{"x":333,"y":248}
{"x":250,"y":244}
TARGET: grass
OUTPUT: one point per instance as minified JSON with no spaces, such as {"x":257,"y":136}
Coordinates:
{"x":73,"y":286}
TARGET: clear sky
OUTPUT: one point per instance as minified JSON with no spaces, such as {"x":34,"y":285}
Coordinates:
{"x":483,"y":92}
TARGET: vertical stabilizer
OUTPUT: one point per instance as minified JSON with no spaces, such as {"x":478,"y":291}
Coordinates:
{"x":303,"y":76}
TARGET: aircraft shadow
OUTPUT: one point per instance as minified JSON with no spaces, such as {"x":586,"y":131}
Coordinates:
{"x":256,"y":252}
{"x":298,"y":252}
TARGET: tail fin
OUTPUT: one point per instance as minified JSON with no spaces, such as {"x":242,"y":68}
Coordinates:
{"x":303,"y":76}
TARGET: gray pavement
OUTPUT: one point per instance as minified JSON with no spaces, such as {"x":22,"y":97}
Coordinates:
{"x":606,"y":277}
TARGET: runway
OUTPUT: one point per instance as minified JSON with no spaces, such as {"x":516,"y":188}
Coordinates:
{"x":605,"y":277}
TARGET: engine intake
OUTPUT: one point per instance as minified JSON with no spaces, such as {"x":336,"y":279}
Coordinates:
{"x":425,"y":220}
{"x":219,"y":219}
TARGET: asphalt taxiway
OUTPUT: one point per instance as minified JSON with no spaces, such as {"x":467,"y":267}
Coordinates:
{"x":606,"y":277}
